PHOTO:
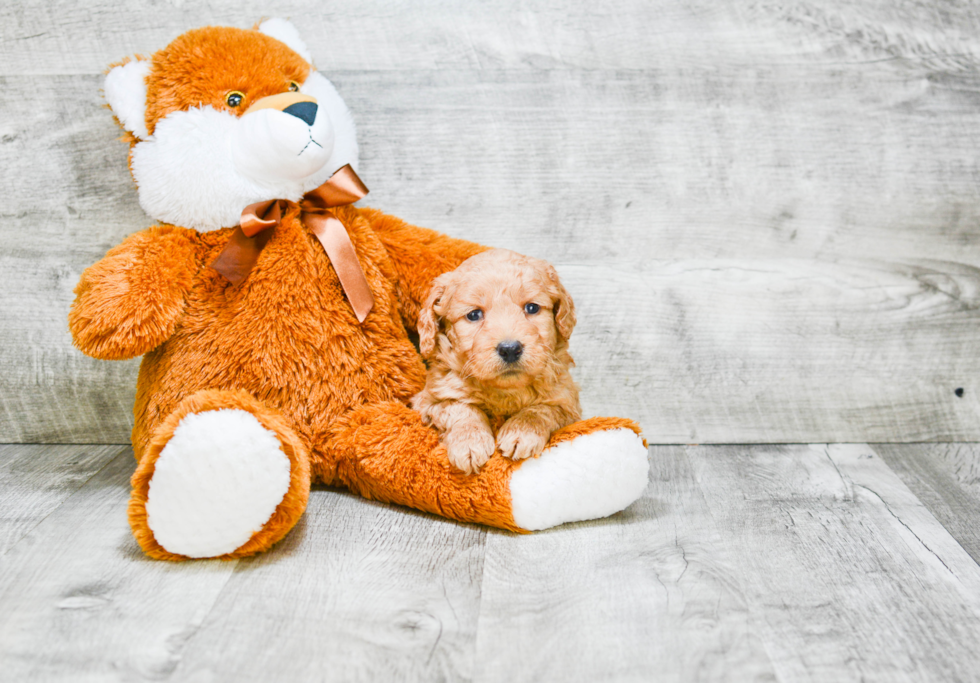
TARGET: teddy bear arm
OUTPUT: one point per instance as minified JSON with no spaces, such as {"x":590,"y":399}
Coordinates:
{"x":419,"y":256}
{"x":132,"y":300}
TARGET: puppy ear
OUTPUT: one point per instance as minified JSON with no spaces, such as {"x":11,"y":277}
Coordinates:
{"x":564,"y":306}
{"x":285,"y":32}
{"x":428,"y":322}
{"x":125,"y":91}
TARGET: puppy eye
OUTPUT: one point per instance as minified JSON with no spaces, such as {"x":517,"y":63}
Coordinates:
{"x":234,"y":98}
{"x":475,"y":315}
{"x":293,"y":86}
{"x":531,"y":309}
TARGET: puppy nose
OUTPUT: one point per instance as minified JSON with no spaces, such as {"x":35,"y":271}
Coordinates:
{"x":510,"y":351}
{"x":305,"y":111}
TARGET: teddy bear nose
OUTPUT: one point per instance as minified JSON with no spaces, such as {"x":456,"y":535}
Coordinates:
{"x":305,"y":111}
{"x":510,"y":351}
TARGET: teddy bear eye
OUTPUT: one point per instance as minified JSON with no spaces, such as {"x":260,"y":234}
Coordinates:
{"x":293,"y":86}
{"x":475,"y":315}
{"x":532,"y":308}
{"x":234,"y":98}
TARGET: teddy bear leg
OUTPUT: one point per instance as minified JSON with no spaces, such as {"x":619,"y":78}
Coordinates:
{"x":223,"y":476}
{"x":590,"y":469}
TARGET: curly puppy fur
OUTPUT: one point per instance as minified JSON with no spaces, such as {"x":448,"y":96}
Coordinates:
{"x":495,"y":335}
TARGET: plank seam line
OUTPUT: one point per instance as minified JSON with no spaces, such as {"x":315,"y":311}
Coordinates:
{"x":915,"y":535}
{"x":756,"y":618}
{"x":185,"y":641}
{"x":488,"y":534}
{"x":845,"y":482}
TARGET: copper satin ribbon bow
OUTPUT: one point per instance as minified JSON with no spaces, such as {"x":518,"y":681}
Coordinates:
{"x":344,"y":187}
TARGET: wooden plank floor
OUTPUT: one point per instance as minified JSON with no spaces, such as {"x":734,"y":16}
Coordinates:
{"x":771,"y":563}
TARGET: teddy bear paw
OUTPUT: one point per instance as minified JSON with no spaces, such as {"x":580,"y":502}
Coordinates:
{"x":217,"y":482}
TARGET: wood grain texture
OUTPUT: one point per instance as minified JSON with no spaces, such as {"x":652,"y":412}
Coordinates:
{"x":35,"y":480}
{"x":742,"y":351}
{"x":739,"y":563}
{"x":649,"y":594}
{"x":383,"y":35}
{"x":813,"y":163}
{"x":359,"y":592}
{"x":80,"y":602}
{"x":848,"y":574}
{"x":946,"y":478}
{"x":62,"y":216}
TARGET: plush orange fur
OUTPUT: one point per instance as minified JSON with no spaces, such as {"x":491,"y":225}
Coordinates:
{"x":156,"y":267}
{"x":289,"y":326}
{"x":469,"y":384}
{"x":392,"y":457}
{"x":284,"y":345}
{"x":262,"y":66}
{"x":287,"y":513}
{"x":594,"y":424}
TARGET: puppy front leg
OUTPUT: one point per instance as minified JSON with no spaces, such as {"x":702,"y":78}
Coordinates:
{"x":526,"y":433}
{"x":466,"y":433}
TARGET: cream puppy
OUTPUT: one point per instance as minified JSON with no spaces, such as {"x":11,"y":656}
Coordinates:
{"x":494,"y":333}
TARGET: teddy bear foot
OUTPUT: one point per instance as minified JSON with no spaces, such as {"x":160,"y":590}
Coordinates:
{"x":217,"y":481}
{"x":591,"y":469}
{"x":220,"y":484}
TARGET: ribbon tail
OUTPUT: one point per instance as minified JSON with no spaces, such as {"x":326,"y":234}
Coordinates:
{"x":240,"y":255}
{"x":336,"y":242}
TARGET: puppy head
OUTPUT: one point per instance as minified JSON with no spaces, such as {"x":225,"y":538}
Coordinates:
{"x":224,"y":117}
{"x":501,"y":318}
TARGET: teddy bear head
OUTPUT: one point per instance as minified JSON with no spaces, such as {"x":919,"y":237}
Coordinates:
{"x":224,"y":117}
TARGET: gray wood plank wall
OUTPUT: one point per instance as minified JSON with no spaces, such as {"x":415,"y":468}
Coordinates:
{"x":765,"y":211}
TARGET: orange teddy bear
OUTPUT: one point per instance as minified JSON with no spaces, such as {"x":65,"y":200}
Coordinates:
{"x":273,"y":318}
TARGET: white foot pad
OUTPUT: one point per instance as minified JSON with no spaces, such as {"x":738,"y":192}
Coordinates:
{"x":591,"y":476}
{"x":217,"y":481}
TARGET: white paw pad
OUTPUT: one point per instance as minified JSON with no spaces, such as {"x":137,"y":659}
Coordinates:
{"x":591,"y":476}
{"x":217,"y":481}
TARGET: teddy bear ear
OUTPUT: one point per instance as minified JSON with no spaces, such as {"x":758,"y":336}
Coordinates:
{"x":125,"y":91}
{"x":285,"y":32}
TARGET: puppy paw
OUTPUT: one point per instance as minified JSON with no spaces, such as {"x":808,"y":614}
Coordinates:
{"x":519,"y":439}
{"x":469,"y":448}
